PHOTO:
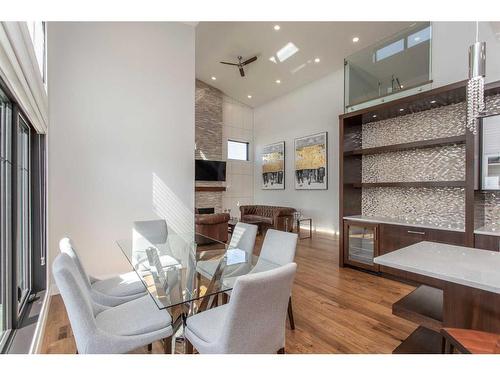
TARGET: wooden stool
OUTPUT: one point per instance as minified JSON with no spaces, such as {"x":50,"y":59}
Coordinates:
{"x":469,"y":341}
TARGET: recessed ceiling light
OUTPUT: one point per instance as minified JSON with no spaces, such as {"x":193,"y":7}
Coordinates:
{"x":402,"y":86}
{"x":273,"y":59}
{"x":355,"y":39}
{"x":317,"y":60}
{"x":374,"y":116}
{"x":433,"y":101}
{"x":213,"y":78}
{"x":278,"y":81}
{"x":401,"y":109}
{"x":277,"y":27}
{"x":249,"y":96}
{"x":287,"y":51}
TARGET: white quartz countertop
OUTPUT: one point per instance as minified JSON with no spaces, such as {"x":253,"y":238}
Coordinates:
{"x":461,"y":265}
{"x":385,"y":220}
{"x":488,"y":230}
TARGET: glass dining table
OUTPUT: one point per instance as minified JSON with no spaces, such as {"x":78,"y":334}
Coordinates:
{"x":188,"y":273}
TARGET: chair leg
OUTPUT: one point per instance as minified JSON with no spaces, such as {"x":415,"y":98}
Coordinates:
{"x":290,"y":314}
{"x":281,"y":351}
{"x":167,"y":345}
{"x":225,"y":298}
{"x":188,"y":347}
{"x":150,"y":348}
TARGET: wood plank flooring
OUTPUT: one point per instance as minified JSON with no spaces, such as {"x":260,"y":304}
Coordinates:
{"x":336,"y":310}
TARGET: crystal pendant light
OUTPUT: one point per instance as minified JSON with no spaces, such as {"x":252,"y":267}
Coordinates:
{"x":475,"y":86}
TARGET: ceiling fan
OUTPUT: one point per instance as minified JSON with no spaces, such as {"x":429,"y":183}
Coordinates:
{"x":241,"y":64}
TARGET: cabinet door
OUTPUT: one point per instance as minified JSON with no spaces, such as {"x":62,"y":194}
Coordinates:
{"x":394,"y":237}
{"x":361,"y":244}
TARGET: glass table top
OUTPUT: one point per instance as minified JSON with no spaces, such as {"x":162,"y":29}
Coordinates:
{"x":180,"y":268}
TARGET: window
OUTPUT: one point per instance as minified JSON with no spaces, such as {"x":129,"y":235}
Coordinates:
{"x":22,"y":216}
{"x":23,"y":227}
{"x":37,"y":34}
{"x":5,"y":215}
{"x":237,"y":150}
{"x":419,"y":37}
{"x":390,"y":49}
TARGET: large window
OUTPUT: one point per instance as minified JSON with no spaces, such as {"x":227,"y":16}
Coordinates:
{"x":23,"y":227}
{"x":5,"y":215}
{"x":22,"y":216}
{"x":237,"y":150}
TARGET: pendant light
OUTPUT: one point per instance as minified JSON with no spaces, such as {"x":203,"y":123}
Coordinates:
{"x":475,"y":86}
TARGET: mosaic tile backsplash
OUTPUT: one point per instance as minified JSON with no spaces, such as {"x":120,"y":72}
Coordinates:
{"x":440,"y":206}
{"x":492,"y":210}
{"x":445,"y":163}
{"x":446,"y":121}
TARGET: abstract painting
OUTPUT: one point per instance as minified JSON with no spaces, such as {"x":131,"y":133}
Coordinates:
{"x":311,"y":162}
{"x":273,"y":166}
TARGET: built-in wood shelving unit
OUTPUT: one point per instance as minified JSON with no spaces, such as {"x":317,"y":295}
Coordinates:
{"x":406,"y":146}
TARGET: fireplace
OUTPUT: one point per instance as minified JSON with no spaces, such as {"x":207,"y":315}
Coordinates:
{"x":204,"y":211}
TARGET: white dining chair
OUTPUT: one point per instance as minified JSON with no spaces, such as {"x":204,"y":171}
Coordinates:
{"x":102,"y":329}
{"x":278,"y":248}
{"x":243,"y":238}
{"x":111,"y":291}
{"x":252,"y":322}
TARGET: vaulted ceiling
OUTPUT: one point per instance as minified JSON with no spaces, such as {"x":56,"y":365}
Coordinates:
{"x":329,"y":42}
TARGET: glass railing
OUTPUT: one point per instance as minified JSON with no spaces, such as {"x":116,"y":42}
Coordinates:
{"x":399,"y":64}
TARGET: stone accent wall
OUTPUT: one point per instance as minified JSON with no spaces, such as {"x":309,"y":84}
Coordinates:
{"x":208,"y":139}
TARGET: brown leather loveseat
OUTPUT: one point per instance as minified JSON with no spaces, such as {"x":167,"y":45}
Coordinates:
{"x":212,"y":225}
{"x":280,"y":218}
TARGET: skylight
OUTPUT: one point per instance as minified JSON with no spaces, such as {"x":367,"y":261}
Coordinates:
{"x":287,"y":51}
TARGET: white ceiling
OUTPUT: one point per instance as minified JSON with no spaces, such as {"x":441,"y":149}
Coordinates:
{"x":330,"y":41}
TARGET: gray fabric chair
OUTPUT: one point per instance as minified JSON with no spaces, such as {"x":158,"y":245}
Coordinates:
{"x":279,"y":248}
{"x":109,"y":292}
{"x":103,"y":329}
{"x":253,"y":320}
{"x":243,"y":238}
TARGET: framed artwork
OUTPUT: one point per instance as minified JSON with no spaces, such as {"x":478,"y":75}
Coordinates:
{"x":273,"y":166}
{"x":311,"y":162}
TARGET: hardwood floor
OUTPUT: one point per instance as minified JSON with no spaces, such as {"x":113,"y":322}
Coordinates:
{"x":336,"y":310}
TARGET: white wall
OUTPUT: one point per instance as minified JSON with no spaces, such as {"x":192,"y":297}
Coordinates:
{"x":121,"y":134}
{"x":237,"y":120}
{"x":450,"y":46}
{"x":308,"y":110}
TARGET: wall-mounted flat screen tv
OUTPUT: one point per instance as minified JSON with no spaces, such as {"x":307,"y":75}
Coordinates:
{"x":210,"y":170}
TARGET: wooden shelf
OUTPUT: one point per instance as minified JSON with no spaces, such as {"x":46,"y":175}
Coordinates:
{"x":406,"y":146}
{"x":409,"y":184}
{"x":421,"y":341}
{"x":209,"y":188}
{"x":423,"y":306}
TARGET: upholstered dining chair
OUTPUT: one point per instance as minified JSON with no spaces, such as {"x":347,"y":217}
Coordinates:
{"x":243,"y":238}
{"x":278,"y":248}
{"x":109,"y":292}
{"x":104,"y":329}
{"x":253,"y":320}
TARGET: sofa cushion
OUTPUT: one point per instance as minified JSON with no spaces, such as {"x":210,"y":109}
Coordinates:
{"x":264,"y":219}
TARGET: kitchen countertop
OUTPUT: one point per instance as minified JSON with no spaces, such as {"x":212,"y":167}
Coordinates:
{"x":461,"y":265}
{"x":488,"y":230}
{"x":387,"y":220}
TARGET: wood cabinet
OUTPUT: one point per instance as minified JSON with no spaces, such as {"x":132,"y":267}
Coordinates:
{"x":485,"y":242}
{"x":394,"y":237}
{"x":361,"y":244}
